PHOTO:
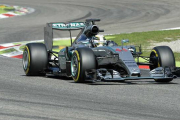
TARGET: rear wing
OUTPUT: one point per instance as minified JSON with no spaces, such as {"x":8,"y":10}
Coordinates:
{"x":48,"y":31}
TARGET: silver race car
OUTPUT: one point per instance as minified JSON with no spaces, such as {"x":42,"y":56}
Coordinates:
{"x":92,"y":58}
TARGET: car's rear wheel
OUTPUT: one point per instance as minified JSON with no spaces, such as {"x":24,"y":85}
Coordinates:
{"x":35,"y":59}
{"x":82,"y":59}
{"x":162,"y":56}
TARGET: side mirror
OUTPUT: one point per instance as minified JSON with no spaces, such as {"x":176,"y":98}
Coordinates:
{"x":124,"y":41}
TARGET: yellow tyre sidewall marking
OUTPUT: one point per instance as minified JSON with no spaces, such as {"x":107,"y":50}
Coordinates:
{"x":78,"y":74}
{"x":27,"y":70}
{"x":156,"y":56}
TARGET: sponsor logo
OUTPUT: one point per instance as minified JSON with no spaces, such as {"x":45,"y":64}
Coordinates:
{"x":74,"y":25}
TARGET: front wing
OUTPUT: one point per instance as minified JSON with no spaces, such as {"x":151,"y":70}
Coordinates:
{"x":159,"y":73}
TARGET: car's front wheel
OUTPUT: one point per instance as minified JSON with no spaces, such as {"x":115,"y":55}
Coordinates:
{"x":162,"y":56}
{"x":82,"y":59}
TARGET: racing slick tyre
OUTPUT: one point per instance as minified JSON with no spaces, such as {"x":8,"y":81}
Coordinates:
{"x":162,"y":56}
{"x":35,"y":59}
{"x":82,"y":59}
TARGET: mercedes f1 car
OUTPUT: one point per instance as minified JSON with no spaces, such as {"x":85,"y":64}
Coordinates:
{"x":92,"y":59}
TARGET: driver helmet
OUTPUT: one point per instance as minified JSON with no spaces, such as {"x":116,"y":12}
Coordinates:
{"x":99,"y":40}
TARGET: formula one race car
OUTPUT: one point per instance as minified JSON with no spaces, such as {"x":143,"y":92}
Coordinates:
{"x":90,"y":58}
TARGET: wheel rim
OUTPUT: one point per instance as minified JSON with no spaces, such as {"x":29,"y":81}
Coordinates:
{"x":25,"y":59}
{"x":74,"y":65}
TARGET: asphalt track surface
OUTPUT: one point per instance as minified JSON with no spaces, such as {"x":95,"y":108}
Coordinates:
{"x":50,"y":98}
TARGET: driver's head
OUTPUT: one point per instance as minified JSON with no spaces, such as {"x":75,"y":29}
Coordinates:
{"x":99,"y":40}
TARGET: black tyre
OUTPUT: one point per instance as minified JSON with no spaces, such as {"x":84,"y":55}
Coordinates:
{"x":35,"y":59}
{"x":82,"y":59}
{"x":162,"y":56}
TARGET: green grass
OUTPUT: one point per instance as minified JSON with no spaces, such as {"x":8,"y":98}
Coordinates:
{"x":145,"y":38}
{"x":7,"y":51}
{"x":62,"y":43}
{"x":177,"y":63}
{"x":9,"y":9}
{"x":5,"y":9}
